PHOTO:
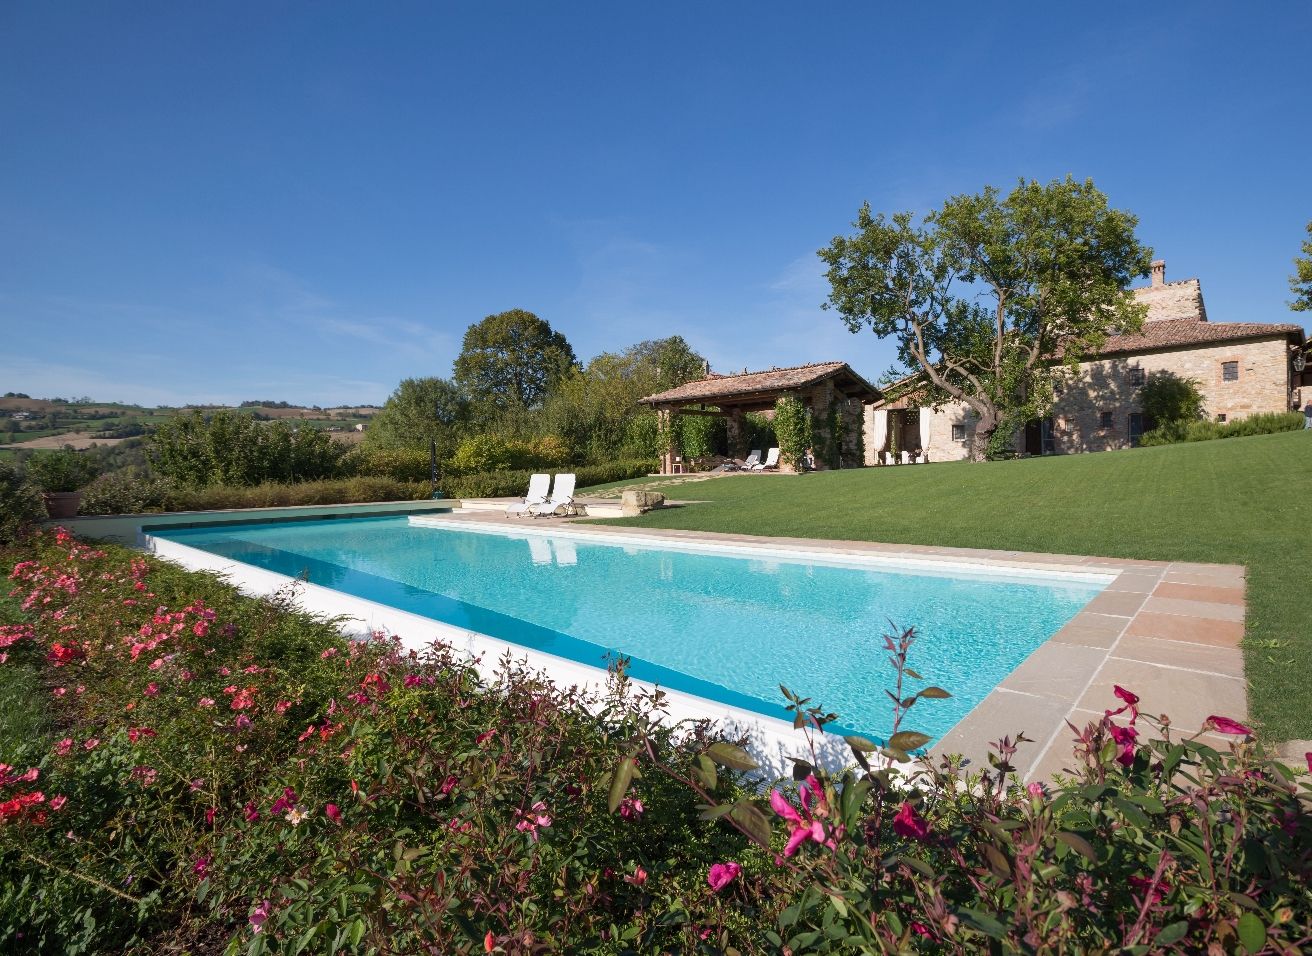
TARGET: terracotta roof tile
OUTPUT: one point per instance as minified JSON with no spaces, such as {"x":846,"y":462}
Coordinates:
{"x":1175,"y":333}
{"x":727,"y":386}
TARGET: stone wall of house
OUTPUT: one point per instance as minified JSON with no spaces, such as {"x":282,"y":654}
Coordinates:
{"x":1173,"y":300}
{"x":1111,"y":386}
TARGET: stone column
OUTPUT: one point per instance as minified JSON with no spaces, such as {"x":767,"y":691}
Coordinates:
{"x":665,"y":419}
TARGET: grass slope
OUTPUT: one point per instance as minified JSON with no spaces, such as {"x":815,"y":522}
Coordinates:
{"x":1238,"y":501}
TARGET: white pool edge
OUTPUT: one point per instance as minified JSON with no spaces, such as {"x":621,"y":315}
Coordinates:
{"x":773,"y":742}
{"x":1057,"y":574}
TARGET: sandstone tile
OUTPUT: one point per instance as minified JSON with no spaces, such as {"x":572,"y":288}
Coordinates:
{"x":1124,"y":603}
{"x":1195,"y":630}
{"x":1056,"y":671}
{"x":1221,"y":579}
{"x":1210,"y":610}
{"x":1187,"y":697}
{"x":1003,"y":712}
{"x":1227,"y":661}
{"x":1199,"y":592}
{"x":1136,"y":581}
{"x":1091,"y":630}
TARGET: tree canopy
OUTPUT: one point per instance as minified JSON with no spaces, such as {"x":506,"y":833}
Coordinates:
{"x":986,"y":295}
{"x":419,"y":410}
{"x":1300,"y":283}
{"x":512,"y":360}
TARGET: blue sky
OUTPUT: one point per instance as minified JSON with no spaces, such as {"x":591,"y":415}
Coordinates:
{"x":311,"y":201}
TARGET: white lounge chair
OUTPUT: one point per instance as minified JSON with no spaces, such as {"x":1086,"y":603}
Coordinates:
{"x":753,"y":460}
{"x":561,"y":500}
{"x":771,"y":461}
{"x":538,"y":486}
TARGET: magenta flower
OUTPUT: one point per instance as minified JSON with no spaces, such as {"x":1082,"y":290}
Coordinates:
{"x":631,"y":808}
{"x":1224,"y":725}
{"x":722,"y":874}
{"x":259,"y":916}
{"x":1037,"y":790}
{"x":638,"y":878}
{"x":202,"y":866}
{"x":252,"y":814}
{"x":205,"y":702}
{"x":530,"y":821}
{"x":804,"y":825}
{"x":57,"y":802}
{"x":1125,"y":738}
{"x":285,"y":802}
{"x":910,"y":824}
{"x":1308,"y":757}
{"x":333,"y":813}
{"x":151,"y":690}
{"x":64,"y":746}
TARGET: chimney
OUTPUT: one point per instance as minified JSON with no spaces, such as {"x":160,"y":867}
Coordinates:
{"x":1158,"y":272}
{"x":706,"y":368}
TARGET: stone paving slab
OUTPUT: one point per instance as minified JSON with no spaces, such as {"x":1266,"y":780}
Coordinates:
{"x":1169,"y":632}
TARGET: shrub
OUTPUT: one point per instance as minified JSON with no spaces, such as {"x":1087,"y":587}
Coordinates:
{"x":60,"y":471}
{"x":231,"y":768}
{"x":792,"y":425}
{"x":125,"y":492}
{"x":481,"y":453}
{"x":1264,"y":424}
{"x":1167,"y":398}
{"x":232,"y":448}
{"x":20,"y":503}
{"x":399,"y":464}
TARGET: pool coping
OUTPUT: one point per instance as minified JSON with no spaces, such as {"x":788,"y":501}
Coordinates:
{"x":1166,"y":630}
{"x":1169,"y":631}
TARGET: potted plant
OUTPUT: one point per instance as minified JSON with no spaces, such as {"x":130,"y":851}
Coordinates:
{"x":61,"y":476}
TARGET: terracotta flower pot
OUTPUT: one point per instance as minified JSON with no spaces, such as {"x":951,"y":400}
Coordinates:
{"x":62,"y":504}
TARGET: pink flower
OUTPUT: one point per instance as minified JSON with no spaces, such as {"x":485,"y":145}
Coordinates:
{"x":202,"y":866}
{"x":1037,"y":790}
{"x":259,"y":915}
{"x":1224,"y":725}
{"x":285,"y":802}
{"x":1144,"y":885}
{"x":252,"y":814}
{"x":910,"y":824}
{"x":59,"y":691}
{"x":209,"y":816}
{"x":243,"y":722}
{"x":804,"y":825}
{"x":205,"y":702}
{"x":638,"y":878}
{"x":449,"y":783}
{"x":282,"y":706}
{"x":64,"y":746}
{"x":151,"y":690}
{"x":92,"y":744}
{"x":57,"y":802}
{"x":530,"y":821}
{"x":484,"y":737}
{"x":156,"y":664}
{"x":1308,"y":757}
{"x":722,"y":874}
{"x":631,"y":808}
{"x":1125,"y":737}
{"x":330,"y":652}
{"x":333,"y":813}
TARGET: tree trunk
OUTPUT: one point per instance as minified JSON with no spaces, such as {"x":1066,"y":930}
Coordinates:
{"x":984,"y":429}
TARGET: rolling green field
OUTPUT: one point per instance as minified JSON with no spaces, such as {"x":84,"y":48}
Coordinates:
{"x":1236,"y":501}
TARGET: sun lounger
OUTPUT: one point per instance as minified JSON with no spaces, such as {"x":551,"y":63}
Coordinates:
{"x":561,"y":500}
{"x":538,"y":486}
{"x":771,"y":461}
{"x":752,"y":461}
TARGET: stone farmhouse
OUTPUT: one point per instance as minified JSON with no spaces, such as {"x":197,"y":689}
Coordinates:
{"x":1242,"y":368}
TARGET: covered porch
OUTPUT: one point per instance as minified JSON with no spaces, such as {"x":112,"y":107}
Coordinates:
{"x":835,"y":395}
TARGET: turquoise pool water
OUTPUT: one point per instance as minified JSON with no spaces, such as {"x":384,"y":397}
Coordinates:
{"x":723,"y":627}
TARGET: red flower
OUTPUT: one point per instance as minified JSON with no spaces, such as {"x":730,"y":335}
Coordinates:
{"x":333,"y":813}
{"x":202,"y":866}
{"x":1145,"y":885}
{"x":1308,"y":757}
{"x":489,"y":942}
{"x":910,"y":824}
{"x":252,"y":815}
{"x":1224,"y":725}
{"x":638,"y":878}
{"x":1125,"y":737}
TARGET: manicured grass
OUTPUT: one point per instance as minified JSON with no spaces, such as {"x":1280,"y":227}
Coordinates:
{"x":1240,"y":501}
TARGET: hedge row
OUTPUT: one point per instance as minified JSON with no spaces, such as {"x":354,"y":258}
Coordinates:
{"x":1264,"y":424}
{"x":126,"y":493}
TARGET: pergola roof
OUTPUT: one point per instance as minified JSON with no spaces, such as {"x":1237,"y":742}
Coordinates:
{"x":754,"y":387}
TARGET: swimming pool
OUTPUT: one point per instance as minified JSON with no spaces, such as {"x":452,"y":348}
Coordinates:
{"x":722,"y":625}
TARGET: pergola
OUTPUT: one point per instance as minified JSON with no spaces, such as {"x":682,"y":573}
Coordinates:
{"x":819,"y":387}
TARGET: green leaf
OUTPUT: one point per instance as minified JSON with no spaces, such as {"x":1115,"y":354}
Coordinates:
{"x":935,"y":693}
{"x":753,"y":821}
{"x":920,"y":866}
{"x":1252,"y":932}
{"x":983,"y":922}
{"x":1171,"y":933}
{"x":714,"y":813}
{"x":801,"y":769}
{"x":1080,"y":845}
{"x":704,"y":770}
{"x":861,"y":745}
{"x":727,"y":755}
{"x":357,"y":932}
{"x":908,"y":740}
{"x":619,"y":783}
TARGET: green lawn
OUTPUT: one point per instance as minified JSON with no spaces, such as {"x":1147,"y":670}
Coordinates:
{"x":1235,"y":501}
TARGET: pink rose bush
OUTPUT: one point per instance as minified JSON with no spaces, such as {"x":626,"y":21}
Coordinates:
{"x":226,"y":769}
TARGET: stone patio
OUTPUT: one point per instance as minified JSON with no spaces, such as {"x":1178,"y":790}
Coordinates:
{"x":1168,"y":631}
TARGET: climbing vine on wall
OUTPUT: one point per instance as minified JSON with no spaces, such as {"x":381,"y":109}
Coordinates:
{"x":792,"y":426}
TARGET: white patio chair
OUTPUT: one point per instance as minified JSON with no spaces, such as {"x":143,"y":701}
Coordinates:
{"x":561,"y":500}
{"x":752,"y":461}
{"x":538,"y":486}
{"x":771,"y":461}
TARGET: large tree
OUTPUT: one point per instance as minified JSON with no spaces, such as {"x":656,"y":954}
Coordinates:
{"x":1300,"y":283}
{"x":987,"y":296}
{"x":511,"y":360}
{"x":594,"y":409}
{"x":419,"y":410}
